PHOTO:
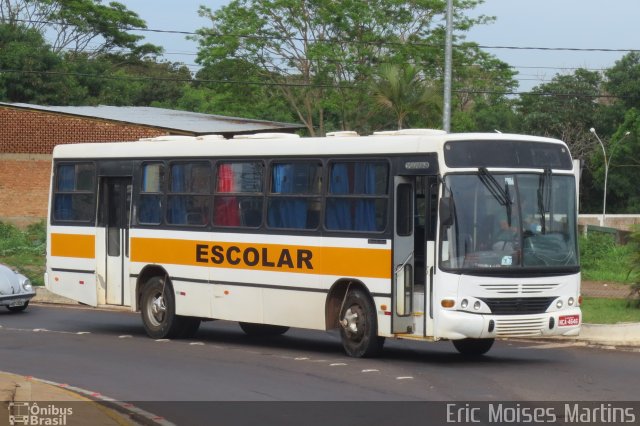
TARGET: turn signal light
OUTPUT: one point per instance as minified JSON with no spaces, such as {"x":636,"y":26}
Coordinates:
{"x":447,"y":303}
{"x":580,"y":300}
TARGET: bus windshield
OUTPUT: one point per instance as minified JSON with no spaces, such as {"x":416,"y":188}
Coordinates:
{"x":509,"y":221}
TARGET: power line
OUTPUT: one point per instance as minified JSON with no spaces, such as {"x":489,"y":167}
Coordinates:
{"x":372,"y":42}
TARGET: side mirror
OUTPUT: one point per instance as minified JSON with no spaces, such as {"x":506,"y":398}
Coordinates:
{"x":445,"y":210}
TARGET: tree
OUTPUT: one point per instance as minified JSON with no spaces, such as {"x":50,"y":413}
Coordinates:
{"x":623,"y":80}
{"x":623,"y":193}
{"x":235,"y":87}
{"x":321,"y":54}
{"x":402,"y":91}
{"x":77,"y":24}
{"x":31,"y":72}
{"x":564,"y":108}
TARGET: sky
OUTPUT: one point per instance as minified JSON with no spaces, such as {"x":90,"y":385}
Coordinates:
{"x":582,"y":24}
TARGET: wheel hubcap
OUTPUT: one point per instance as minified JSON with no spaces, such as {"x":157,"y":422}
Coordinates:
{"x":353,"y":322}
{"x":158,"y":309}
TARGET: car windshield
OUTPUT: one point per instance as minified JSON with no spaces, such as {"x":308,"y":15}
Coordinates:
{"x":508,"y":221}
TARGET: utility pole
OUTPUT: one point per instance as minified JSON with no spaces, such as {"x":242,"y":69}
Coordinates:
{"x":446,"y":113}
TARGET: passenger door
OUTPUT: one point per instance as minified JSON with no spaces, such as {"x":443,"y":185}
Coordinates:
{"x":115,"y":217}
{"x":403,"y":255}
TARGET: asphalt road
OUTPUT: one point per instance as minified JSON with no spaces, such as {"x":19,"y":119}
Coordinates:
{"x":108,"y":352}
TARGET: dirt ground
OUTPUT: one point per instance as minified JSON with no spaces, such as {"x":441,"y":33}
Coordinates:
{"x":604,"y":289}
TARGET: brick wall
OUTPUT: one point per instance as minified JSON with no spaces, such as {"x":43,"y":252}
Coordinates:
{"x":27,"y":139}
{"x":33,"y":132}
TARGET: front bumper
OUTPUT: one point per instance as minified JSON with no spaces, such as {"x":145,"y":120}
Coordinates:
{"x":460,"y":325}
{"x":16,"y":299}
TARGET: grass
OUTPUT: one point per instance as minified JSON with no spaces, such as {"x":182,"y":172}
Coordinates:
{"x":24,"y":250}
{"x":597,"y":310}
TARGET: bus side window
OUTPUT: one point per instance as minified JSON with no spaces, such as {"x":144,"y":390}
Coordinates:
{"x":74,"y":197}
{"x":294,"y":202}
{"x":150,"y":200}
{"x":239,"y":196}
{"x":188,"y":196}
{"x":357,"y":196}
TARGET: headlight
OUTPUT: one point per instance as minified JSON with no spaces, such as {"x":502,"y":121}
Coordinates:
{"x":476,"y":305}
{"x":26,"y":285}
{"x":464,"y":304}
{"x":559,"y":304}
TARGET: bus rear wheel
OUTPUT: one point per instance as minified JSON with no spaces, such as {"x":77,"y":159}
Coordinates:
{"x":252,"y":329}
{"x":473,"y":347}
{"x":359,"y":326}
{"x":159,"y":310}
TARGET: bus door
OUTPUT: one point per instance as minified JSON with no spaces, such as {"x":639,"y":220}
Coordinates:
{"x":403,"y":255}
{"x":115,"y":217}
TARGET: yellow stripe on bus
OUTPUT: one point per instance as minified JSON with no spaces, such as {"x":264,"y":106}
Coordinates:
{"x":342,"y":261}
{"x":73,"y":245}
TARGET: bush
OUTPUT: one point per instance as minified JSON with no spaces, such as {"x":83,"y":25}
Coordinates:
{"x":24,"y":249}
{"x":602,"y":259}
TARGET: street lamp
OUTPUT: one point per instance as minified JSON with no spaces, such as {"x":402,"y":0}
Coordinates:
{"x":606,"y":171}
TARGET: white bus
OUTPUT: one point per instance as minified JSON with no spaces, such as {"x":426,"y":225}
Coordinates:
{"x":413,"y":234}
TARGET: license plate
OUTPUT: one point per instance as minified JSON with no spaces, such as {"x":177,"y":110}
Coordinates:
{"x":568,"y":320}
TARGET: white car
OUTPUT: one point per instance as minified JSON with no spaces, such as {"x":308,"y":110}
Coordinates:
{"x":15,"y":289}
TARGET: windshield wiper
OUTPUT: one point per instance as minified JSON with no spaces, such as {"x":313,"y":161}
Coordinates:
{"x":500,"y":194}
{"x":544,"y":196}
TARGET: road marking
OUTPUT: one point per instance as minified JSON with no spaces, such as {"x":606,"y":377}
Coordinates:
{"x":337,"y":364}
{"x":163,"y":340}
{"x":404,"y":378}
{"x":302,"y":358}
{"x":83,"y":332}
{"x":370,"y":370}
{"x":38,"y":330}
{"x":196,"y":344}
{"x":125,"y":336}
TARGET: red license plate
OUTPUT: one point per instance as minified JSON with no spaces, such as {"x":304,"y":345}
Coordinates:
{"x":568,"y":320}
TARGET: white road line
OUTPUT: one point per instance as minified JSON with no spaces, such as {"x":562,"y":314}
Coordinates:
{"x":196,"y":344}
{"x":404,"y":378}
{"x":370,"y":370}
{"x":337,"y":364}
{"x":163,"y":340}
{"x":125,"y":336}
{"x":83,"y":332}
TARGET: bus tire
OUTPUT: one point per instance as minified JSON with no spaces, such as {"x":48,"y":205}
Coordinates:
{"x":252,"y":329}
{"x":359,"y":326}
{"x":158,"y":310}
{"x":473,"y":347}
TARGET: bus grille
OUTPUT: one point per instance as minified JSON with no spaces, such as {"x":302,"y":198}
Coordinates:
{"x":518,"y":305}
{"x":520,"y":327}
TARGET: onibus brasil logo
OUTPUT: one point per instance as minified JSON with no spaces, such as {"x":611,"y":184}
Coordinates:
{"x":32,"y":414}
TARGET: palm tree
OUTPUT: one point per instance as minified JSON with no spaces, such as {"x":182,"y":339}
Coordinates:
{"x":401,"y":90}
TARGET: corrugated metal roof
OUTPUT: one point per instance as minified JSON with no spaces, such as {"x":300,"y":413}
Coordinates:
{"x":181,"y":121}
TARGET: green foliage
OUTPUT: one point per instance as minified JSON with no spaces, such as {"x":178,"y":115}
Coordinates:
{"x":598,"y":310}
{"x":601,"y":259}
{"x":623,"y":80}
{"x":401,"y":91}
{"x":566,"y":115}
{"x":322,"y":55}
{"x":24,"y":250}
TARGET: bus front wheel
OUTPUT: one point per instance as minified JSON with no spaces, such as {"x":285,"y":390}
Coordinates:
{"x":359,"y":326}
{"x":473,"y":347}
{"x":159,"y":311}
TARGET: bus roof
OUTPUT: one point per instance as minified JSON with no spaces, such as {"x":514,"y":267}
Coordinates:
{"x":343,"y":143}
